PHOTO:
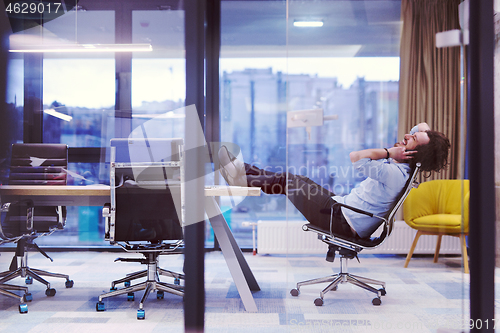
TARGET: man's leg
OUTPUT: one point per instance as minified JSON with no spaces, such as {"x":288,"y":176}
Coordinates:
{"x":306,"y":195}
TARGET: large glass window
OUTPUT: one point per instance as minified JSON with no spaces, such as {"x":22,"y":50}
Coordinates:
{"x":269,"y":65}
{"x":80,"y":90}
{"x":276,"y":57}
{"x":78,"y":87}
{"x":11,"y":119}
{"x":158,"y":77}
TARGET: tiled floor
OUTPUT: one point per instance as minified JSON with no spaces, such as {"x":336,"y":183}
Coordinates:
{"x":425,"y":297}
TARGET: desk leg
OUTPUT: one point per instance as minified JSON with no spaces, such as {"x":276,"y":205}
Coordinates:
{"x":238,"y":266}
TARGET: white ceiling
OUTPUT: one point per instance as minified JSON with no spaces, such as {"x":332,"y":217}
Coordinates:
{"x":253,"y":28}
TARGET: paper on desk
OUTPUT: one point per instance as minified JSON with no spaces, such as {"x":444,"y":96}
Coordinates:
{"x":36,"y":162}
{"x":79,"y":177}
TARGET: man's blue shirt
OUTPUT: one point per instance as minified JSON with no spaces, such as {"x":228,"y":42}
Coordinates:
{"x":376,"y":194}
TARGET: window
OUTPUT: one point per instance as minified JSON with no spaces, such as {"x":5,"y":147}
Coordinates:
{"x":349,"y":67}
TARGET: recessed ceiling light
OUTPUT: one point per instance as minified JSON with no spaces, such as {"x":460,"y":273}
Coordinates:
{"x":83,"y":48}
{"x":307,"y":24}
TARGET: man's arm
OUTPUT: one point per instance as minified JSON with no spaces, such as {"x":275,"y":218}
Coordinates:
{"x":397,"y":153}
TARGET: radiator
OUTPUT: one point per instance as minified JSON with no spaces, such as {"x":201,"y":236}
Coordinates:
{"x":282,"y":237}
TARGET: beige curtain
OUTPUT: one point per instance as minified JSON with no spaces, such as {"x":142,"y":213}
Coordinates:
{"x":429,"y":84}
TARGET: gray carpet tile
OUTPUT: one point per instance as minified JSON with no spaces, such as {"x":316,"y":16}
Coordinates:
{"x":425,"y":297}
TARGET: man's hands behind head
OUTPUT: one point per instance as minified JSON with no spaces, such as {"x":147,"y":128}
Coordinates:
{"x":400,"y":154}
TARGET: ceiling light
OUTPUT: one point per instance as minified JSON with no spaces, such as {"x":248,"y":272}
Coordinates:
{"x":308,"y":24}
{"x":67,"y":48}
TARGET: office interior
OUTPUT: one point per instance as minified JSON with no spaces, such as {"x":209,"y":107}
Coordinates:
{"x":228,"y":72}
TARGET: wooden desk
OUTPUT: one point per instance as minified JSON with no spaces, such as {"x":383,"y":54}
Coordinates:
{"x":93,"y":195}
{"x":54,"y":195}
{"x":98,"y":195}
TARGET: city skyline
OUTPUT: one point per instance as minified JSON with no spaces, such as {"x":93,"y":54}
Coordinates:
{"x":91,"y":82}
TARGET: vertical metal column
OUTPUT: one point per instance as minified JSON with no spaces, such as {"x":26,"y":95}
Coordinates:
{"x":123,"y":70}
{"x":481,"y":164}
{"x":252,"y":120}
{"x":212,"y":120}
{"x":194,"y":231}
{"x":4,"y":56}
{"x":33,"y":94}
{"x":212,"y":123}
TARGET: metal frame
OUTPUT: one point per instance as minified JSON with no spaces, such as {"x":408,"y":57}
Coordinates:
{"x":151,"y":252}
{"x":481,"y":162}
{"x":19,"y":266}
{"x":348,"y":248}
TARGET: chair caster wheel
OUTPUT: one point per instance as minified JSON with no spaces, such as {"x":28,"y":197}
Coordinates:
{"x":29,"y":280}
{"x":126,"y":284}
{"x":100,"y":306}
{"x":50,"y":292}
{"x":294,"y":292}
{"x":130,"y":297}
{"x":376,"y":301}
{"x":177,"y":281}
{"x":23,"y":308}
{"x":318,"y":302}
{"x":382,"y":291}
{"x":112,"y":289}
{"x":160,"y":294}
{"x":28,"y":297}
{"x":69,"y":284}
{"x":141,"y":314}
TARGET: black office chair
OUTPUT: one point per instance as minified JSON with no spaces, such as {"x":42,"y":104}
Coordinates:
{"x":349,"y":247}
{"x":145,"y":216}
{"x":26,"y":297}
{"x":33,"y":164}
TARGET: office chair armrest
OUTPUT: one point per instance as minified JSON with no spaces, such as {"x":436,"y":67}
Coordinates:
{"x":357,"y":210}
{"x":6,"y":206}
{"x":29,"y":212}
{"x":109,"y":219}
{"x":106,"y":211}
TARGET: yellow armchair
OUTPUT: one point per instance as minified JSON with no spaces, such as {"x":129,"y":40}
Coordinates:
{"x":439,"y":207}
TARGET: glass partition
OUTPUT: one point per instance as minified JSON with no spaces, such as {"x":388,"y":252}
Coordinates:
{"x":338,"y":62}
{"x":11,"y":119}
{"x":342,"y":111}
{"x":77,"y":86}
{"x":79,"y":90}
{"x":253,"y":97}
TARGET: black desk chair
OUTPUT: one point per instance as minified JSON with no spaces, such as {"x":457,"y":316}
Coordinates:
{"x":349,"y":247}
{"x":33,"y":164}
{"x":26,"y":297}
{"x":145,"y":216}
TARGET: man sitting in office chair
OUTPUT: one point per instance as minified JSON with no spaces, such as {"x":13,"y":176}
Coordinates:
{"x":387,"y":171}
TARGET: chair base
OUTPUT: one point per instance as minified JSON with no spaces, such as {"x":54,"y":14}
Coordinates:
{"x":152,"y":283}
{"x":4,"y":290}
{"x":343,"y":277}
{"x":33,"y":274}
{"x":144,"y":273}
{"x":23,"y":307}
